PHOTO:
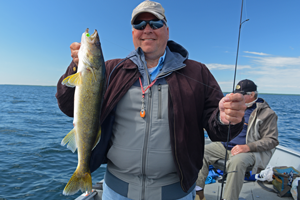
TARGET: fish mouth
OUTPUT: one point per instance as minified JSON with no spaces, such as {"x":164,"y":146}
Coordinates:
{"x":92,"y":36}
{"x":90,"y":42}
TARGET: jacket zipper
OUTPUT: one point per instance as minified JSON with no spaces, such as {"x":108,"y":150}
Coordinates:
{"x":159,"y":102}
{"x":147,"y":133}
{"x":148,"y":113}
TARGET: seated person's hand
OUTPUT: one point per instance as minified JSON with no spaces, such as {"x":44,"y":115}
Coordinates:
{"x":240,"y":149}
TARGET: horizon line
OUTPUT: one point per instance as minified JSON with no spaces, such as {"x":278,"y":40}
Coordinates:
{"x":222,"y":92}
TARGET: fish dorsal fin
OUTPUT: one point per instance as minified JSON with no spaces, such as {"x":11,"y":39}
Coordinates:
{"x":97,"y":140}
{"x":71,"y":140}
{"x":73,"y":80}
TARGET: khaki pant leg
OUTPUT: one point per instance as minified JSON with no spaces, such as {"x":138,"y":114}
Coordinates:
{"x":235,"y":180}
{"x":212,"y":152}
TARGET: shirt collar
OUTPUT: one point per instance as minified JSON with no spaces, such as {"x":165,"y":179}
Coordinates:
{"x":162,"y":59}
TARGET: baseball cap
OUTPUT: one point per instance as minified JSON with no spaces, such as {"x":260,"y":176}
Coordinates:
{"x":150,"y":7}
{"x":245,"y":86}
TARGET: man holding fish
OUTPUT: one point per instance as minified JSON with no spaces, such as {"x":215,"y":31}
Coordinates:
{"x":156,"y":104}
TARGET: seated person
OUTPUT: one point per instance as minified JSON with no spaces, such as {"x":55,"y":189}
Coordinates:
{"x":254,"y":146}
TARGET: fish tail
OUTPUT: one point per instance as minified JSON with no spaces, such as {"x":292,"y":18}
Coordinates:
{"x":79,"y":181}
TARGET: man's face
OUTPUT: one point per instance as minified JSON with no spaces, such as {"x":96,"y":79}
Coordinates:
{"x":249,"y":97}
{"x":153,"y":42}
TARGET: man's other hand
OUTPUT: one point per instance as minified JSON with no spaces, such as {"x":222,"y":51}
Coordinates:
{"x":232,"y":108}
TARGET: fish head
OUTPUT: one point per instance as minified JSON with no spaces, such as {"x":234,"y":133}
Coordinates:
{"x":90,"y":50}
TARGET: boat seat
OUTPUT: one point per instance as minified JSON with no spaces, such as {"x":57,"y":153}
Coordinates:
{"x":219,"y":164}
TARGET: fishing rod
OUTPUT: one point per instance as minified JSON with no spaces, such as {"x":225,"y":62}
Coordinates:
{"x":234,"y":78}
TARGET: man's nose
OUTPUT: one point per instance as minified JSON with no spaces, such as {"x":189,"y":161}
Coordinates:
{"x":148,"y":29}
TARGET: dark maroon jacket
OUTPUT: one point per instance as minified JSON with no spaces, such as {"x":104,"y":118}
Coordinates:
{"x":194,"y":96}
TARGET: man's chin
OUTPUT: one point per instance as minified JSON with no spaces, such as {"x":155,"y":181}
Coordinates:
{"x":147,"y":50}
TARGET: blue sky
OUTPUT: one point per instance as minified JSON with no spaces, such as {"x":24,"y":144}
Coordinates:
{"x":35,"y":37}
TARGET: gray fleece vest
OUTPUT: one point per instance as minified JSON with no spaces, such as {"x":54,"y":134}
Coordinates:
{"x":140,"y":161}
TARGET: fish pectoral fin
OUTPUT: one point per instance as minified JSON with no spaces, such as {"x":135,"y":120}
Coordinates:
{"x":73,"y":80}
{"x":71,"y":140}
{"x":97,"y":140}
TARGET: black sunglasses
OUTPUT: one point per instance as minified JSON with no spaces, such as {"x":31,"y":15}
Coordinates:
{"x":154,"y":24}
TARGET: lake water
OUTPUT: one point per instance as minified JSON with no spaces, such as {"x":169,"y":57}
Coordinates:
{"x":33,"y":164}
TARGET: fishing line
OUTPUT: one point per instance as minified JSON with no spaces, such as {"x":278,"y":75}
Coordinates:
{"x":246,"y":9}
{"x":116,"y":67}
{"x":165,"y":63}
{"x":198,"y":81}
{"x":116,"y":44}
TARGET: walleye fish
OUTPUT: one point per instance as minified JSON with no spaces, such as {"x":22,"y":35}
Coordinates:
{"x":89,"y":82}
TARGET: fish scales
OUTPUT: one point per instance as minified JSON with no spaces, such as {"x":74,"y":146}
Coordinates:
{"x":89,"y":82}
